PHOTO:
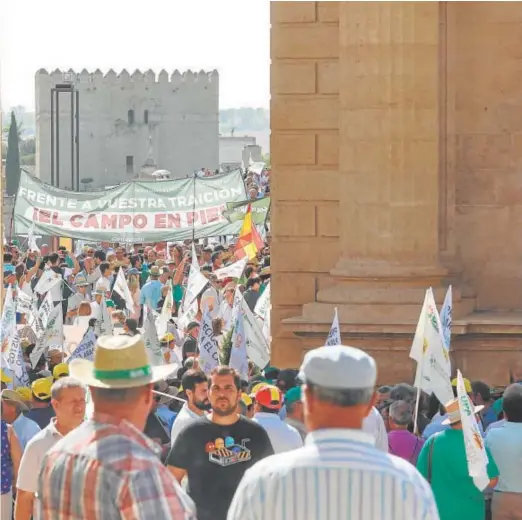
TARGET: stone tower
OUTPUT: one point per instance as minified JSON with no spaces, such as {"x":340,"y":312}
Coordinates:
{"x":120,"y":114}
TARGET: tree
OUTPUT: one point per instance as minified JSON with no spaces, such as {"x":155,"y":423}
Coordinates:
{"x":12,"y":160}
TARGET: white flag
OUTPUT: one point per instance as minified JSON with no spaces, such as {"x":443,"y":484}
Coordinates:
{"x":334,"y":337}
{"x":24,"y":302}
{"x":46,"y":309}
{"x":162,"y":322}
{"x":262,"y":311}
{"x":445,"y":318}
{"x":31,"y":239}
{"x":433,"y":364}
{"x":208,"y":348}
{"x":51,"y":335}
{"x":194,"y":263}
{"x":122,"y":288}
{"x":85,"y":350}
{"x":34,"y":321}
{"x":234,"y":270}
{"x":15,"y":360}
{"x":48,"y":279}
{"x":8,"y":324}
{"x":475,"y":451}
{"x":188,"y":316}
{"x":238,"y":351}
{"x":104,"y":323}
{"x":195,"y":284}
{"x":256,"y":344}
{"x":150,"y":336}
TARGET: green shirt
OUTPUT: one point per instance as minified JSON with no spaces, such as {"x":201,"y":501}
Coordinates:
{"x":456,"y":495}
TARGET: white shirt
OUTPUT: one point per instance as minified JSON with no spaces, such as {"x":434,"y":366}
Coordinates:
{"x":225,"y":313}
{"x":102,"y":284}
{"x":184,"y":417}
{"x":32,"y":458}
{"x":283,"y":437}
{"x":338,"y":474}
{"x":374,"y":425}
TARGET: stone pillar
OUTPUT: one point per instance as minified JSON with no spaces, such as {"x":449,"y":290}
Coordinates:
{"x":389,"y":139}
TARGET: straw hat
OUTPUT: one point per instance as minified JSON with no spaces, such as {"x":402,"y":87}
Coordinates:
{"x":14,"y":397}
{"x":453,"y":411}
{"x":119,"y":362}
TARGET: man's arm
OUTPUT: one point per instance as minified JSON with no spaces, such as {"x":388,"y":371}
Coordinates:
{"x":16,"y":450}
{"x":178,"y":473}
{"x":24,"y":505}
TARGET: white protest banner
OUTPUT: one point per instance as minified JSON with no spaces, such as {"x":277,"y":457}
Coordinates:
{"x":475,"y":451}
{"x":445,"y":318}
{"x":433,"y":364}
{"x":104,"y":323}
{"x":48,"y":280}
{"x":85,"y":350}
{"x":150,"y":336}
{"x":46,"y":309}
{"x":24,"y":302}
{"x":8,"y":325}
{"x":52,"y":335}
{"x":256,"y":344}
{"x":208,"y":349}
{"x":132,"y":212}
{"x":234,"y":270}
{"x":122,"y":288}
{"x":15,"y":360}
{"x":238,"y":352}
{"x":334,"y":337}
{"x":162,"y":323}
{"x":34,"y":321}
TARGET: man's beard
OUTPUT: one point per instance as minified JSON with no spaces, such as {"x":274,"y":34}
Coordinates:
{"x":203,"y":405}
{"x":226,"y":412}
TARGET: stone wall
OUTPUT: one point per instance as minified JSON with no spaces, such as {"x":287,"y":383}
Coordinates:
{"x":304,"y":156}
{"x":181,"y":134}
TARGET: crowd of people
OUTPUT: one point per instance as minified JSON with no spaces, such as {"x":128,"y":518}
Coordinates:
{"x":116,"y":435}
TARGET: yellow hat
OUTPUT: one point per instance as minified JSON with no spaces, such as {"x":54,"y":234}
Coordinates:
{"x":24,"y":392}
{"x":167,"y":338}
{"x":246,"y":399}
{"x":6,"y":378}
{"x":60,"y":370}
{"x":257,"y":387}
{"x":41,"y":388}
{"x":467,"y":385}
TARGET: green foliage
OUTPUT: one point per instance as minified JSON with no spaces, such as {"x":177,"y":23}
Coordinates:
{"x":12,"y":161}
{"x":266,"y":159}
{"x":224,"y":357}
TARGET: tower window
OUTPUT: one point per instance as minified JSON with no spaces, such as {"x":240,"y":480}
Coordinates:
{"x":130,"y":117}
{"x":146,"y":117}
{"x":130,"y":164}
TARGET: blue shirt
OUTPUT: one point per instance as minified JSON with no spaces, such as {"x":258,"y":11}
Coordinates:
{"x":505,"y":445}
{"x":5,"y":460}
{"x":151,"y":294}
{"x":25,"y":429}
{"x":165,"y":415}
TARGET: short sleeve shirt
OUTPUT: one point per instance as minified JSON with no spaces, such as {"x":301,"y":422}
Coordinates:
{"x":215,"y":458}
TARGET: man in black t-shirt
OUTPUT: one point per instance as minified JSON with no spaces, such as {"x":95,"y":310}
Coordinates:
{"x":215,"y":451}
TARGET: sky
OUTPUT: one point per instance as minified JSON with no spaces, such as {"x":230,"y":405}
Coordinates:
{"x":231,"y":36}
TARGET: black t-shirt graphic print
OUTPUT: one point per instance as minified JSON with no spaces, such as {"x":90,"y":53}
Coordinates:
{"x":216,"y":458}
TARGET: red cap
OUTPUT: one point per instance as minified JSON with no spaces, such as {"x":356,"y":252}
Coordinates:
{"x":270,"y":397}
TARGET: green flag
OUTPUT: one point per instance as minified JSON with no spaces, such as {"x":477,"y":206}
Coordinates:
{"x":260,"y":210}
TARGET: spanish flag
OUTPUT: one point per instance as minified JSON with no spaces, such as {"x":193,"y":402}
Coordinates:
{"x":249,"y":241}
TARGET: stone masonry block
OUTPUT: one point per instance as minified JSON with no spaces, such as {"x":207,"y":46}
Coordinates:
{"x":292,"y":12}
{"x":304,"y":113}
{"x":328,"y":148}
{"x":327,"y":219}
{"x":292,"y":289}
{"x":303,"y":185}
{"x":293,"y":149}
{"x":305,"y":255}
{"x":484,"y":151}
{"x":287,"y":352}
{"x":328,"y":11}
{"x":328,"y":77}
{"x":293,"y":219}
{"x":294,"y":77}
{"x":305,"y":41}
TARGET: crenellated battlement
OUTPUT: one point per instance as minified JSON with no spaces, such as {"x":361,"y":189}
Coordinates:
{"x":148,"y":77}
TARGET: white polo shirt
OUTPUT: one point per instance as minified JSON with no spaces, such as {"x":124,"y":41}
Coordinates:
{"x":184,"y":417}
{"x":374,"y":425}
{"x":282,"y":436}
{"x":32,"y":458}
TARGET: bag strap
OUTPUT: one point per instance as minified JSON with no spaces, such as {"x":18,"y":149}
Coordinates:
{"x":430,"y":459}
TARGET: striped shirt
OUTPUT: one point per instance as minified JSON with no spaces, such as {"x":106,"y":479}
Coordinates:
{"x":106,"y":469}
{"x":338,"y":474}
